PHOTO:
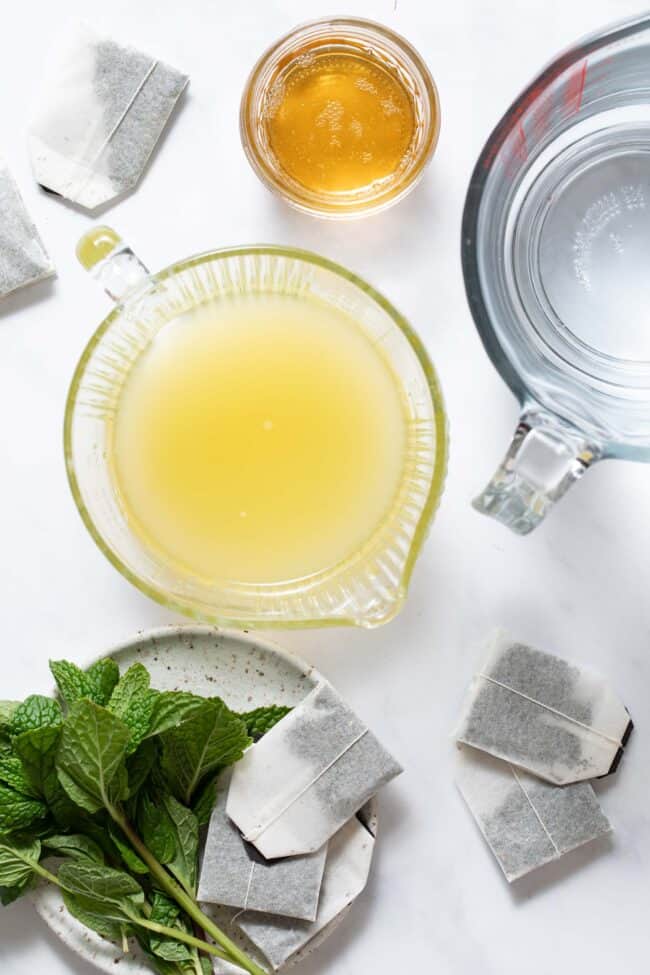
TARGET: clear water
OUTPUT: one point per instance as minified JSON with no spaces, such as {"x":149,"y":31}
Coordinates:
{"x":594,"y":254}
{"x":581,"y":248}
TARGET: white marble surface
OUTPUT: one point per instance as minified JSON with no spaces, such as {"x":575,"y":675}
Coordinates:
{"x":580,"y":586}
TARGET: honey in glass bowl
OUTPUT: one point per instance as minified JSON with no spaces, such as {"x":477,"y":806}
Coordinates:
{"x":340,"y":117}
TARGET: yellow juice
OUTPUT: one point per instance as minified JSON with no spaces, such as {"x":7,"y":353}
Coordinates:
{"x":259,"y":439}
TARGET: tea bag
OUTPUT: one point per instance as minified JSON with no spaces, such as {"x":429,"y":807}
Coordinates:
{"x":23,"y":258}
{"x":297,"y":786}
{"x":526,"y":822}
{"x":559,"y":721}
{"x":235,"y":875}
{"x":99,"y":117}
{"x":346,"y":874}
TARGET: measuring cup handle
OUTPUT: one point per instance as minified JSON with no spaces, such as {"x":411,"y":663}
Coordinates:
{"x":112,"y":262}
{"x":546,"y":456}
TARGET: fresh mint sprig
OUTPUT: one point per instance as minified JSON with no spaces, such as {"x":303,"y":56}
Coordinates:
{"x":116,"y":782}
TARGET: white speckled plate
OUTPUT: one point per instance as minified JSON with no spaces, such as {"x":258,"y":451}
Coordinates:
{"x":247,"y":672}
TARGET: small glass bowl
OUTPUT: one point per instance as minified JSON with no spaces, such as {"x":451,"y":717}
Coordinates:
{"x":341,"y":35}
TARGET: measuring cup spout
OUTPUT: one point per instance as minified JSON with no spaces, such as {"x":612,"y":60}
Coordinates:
{"x":545,"y":458}
{"x":103,"y":253}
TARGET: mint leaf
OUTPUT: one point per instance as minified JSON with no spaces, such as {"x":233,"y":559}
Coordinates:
{"x":107,"y":901}
{"x":76,"y":846}
{"x":131,"y":860}
{"x":35,"y":711}
{"x":171,"y":831}
{"x":17,"y":861}
{"x":115,"y":892}
{"x":185,"y":829}
{"x":156,"y":829}
{"x":131,"y":686}
{"x":7,"y":711}
{"x":161,"y":966}
{"x":205,"y":802}
{"x":91,"y":758}
{"x":261,"y":720}
{"x":166,"y":912}
{"x":71,"y":681}
{"x":138,"y":718}
{"x":18,"y":812}
{"x":37,"y":751}
{"x":171,"y":708}
{"x":13,"y":774}
{"x":211,"y":738}
{"x":103,"y":676}
{"x":92,"y":916}
{"x":133,"y":702}
{"x":140,"y":764}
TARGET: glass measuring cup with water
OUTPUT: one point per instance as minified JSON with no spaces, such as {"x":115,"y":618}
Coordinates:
{"x":556,"y":259}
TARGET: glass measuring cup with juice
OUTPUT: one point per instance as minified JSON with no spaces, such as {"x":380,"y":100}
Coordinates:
{"x":255,"y":436}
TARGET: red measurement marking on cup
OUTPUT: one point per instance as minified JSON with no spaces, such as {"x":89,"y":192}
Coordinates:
{"x":534,"y":111}
{"x":574,"y":88}
{"x":540,"y":117}
{"x":516,"y":153}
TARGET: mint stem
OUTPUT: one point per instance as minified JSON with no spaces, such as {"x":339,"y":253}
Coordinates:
{"x":183,"y":899}
{"x":176,"y":934}
{"x":44,"y":873}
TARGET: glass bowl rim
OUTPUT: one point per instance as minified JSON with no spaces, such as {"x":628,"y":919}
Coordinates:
{"x":439,"y":419}
{"x":373,"y":204}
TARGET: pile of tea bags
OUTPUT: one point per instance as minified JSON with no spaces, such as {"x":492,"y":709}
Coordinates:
{"x":290,"y":840}
{"x":533,"y":729}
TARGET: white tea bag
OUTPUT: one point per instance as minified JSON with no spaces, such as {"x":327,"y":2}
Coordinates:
{"x":346,"y":874}
{"x":526,"y":822}
{"x":307,"y":777}
{"x":559,"y":721}
{"x":99,"y":116}
{"x":234,"y":874}
{"x":23,"y":258}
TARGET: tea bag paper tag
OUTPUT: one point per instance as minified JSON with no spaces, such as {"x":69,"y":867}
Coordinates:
{"x":234,"y":874}
{"x":526,"y":822}
{"x":309,"y":774}
{"x":100,"y":114}
{"x":346,"y":874}
{"x":561,"y":722}
{"x":23,"y":258}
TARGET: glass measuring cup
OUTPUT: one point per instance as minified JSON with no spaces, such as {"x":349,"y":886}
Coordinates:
{"x":368,"y":587}
{"x":556,"y":259}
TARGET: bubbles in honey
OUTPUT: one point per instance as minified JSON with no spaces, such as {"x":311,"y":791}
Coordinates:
{"x":337,"y":123}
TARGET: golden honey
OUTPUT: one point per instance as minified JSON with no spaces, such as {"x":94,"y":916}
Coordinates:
{"x":340,"y":117}
{"x":339,"y":122}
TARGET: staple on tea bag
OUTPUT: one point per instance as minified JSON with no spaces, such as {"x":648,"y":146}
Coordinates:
{"x":346,"y":874}
{"x":234,"y":874}
{"x":99,"y":117}
{"x":23,"y":258}
{"x":526,"y":822}
{"x":559,"y":721}
{"x":297,"y":786}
